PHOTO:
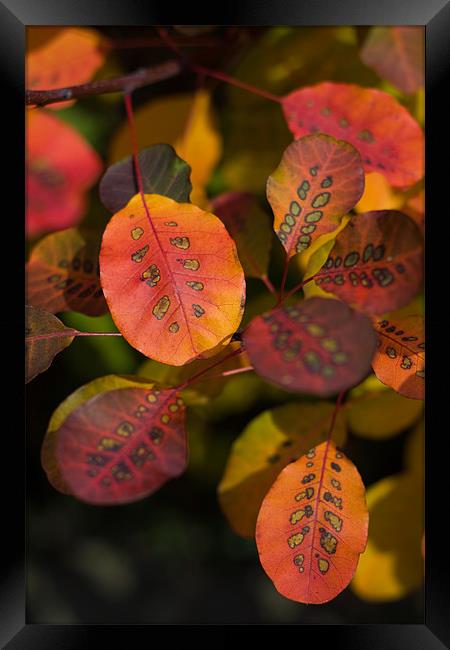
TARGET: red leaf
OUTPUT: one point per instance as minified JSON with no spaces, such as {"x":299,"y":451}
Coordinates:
{"x":317,"y":346}
{"x":387,"y":136}
{"x":45,"y":336}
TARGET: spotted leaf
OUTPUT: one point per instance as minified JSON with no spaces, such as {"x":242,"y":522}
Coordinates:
{"x":399,"y":361}
{"x":271,"y":441}
{"x":318,"y":180}
{"x":317,"y":346}
{"x":163,"y":172}
{"x":312,"y":526}
{"x":250,"y":229}
{"x":121,"y":445}
{"x":173,"y":283}
{"x":397,"y":54}
{"x":45,"y":336}
{"x":63,"y":273}
{"x":388,"y":138}
{"x":376,"y":262}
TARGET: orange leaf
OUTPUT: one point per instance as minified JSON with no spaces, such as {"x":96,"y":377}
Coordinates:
{"x":61,"y":166}
{"x":174,"y":284}
{"x":376,"y":262}
{"x":313,"y":525}
{"x":388,"y":138}
{"x":400,"y":358}
{"x":318,"y":180}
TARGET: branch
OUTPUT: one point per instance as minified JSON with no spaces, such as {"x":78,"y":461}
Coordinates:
{"x":125,"y":83}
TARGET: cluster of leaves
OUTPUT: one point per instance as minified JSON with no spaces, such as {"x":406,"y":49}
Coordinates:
{"x":171,"y":268}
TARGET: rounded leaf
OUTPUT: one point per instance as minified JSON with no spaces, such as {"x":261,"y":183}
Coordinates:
{"x":45,"y":336}
{"x":312,"y":526}
{"x":317,"y":346}
{"x":174,"y":284}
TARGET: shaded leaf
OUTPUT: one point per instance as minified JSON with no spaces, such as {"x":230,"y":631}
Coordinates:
{"x":377,"y":412}
{"x":174,"y":284}
{"x":317,"y":346}
{"x":163,"y":172}
{"x":392,"y":566}
{"x":318,"y":180}
{"x":45,"y":336}
{"x":271,"y":441}
{"x":388,"y":138}
{"x":121,"y":445}
{"x":398,"y":54}
{"x":312,"y":526}
{"x":399,"y":361}
{"x":376,"y":262}
{"x":414,"y":456}
{"x":63,"y":273}
{"x":415,"y":208}
{"x":249,"y":226}
{"x":61,"y":166}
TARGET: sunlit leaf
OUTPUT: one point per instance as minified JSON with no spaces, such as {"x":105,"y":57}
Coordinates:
{"x":317,"y":346}
{"x":45,"y":336}
{"x":387,"y":136}
{"x":174,"y":284}
{"x":163,"y":172}
{"x":249,"y":227}
{"x":63,"y":273}
{"x":376,"y":262}
{"x":375,"y":411}
{"x":318,"y":180}
{"x":271,"y":441}
{"x":312,"y":526}
{"x":398,"y":54}
{"x":186,"y":122}
{"x":399,"y":361}
{"x":391,"y":566}
{"x":73,"y":401}
{"x":70,"y":58}
{"x":379,"y":195}
{"x":61,"y":166}
{"x":121,"y":445}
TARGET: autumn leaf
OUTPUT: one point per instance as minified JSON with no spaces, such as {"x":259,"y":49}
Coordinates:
{"x":249,"y":226}
{"x":380,"y":195}
{"x":61,"y":166}
{"x":374,"y":411}
{"x":318,"y":180}
{"x":173,"y":281}
{"x":399,"y":361}
{"x":163,"y":172}
{"x":398,"y":55}
{"x":185,"y":121}
{"x":70,"y":58}
{"x":312,"y":526}
{"x":415,"y":208}
{"x":317,"y":346}
{"x":45,"y":336}
{"x":121,"y":445}
{"x":388,"y":138}
{"x":376,"y":262}
{"x":63,"y":273}
{"x":271,"y":441}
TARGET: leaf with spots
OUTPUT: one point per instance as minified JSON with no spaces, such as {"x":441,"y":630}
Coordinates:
{"x":388,"y":138}
{"x":399,"y":361}
{"x":398,"y":55}
{"x":318,"y":180}
{"x":312,"y":526}
{"x":122,"y":445}
{"x":317,"y":346}
{"x":163,"y":172}
{"x":45,"y":336}
{"x":171,"y":278}
{"x":271,"y":441}
{"x":63,"y":273}
{"x":376,"y":262}
{"x":249,"y":226}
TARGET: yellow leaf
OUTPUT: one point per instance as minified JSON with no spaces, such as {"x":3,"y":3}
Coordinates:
{"x":379,"y":195}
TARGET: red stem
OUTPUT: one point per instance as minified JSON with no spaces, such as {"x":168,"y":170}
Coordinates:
{"x":66,"y":334}
{"x":268,"y":284}
{"x":192,"y":379}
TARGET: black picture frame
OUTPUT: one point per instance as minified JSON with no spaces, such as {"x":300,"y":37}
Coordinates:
{"x":15,"y":16}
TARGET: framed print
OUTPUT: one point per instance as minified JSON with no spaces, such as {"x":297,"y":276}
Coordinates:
{"x":226,"y":274}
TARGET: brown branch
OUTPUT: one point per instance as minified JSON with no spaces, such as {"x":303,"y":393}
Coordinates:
{"x":125,"y":83}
